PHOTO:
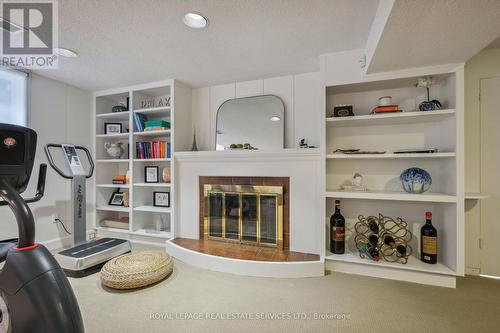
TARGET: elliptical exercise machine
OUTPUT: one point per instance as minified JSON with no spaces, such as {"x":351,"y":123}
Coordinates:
{"x":35,"y":295}
{"x":84,"y":258}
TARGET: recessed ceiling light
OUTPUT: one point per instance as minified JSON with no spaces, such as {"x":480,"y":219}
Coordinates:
{"x":275,"y":118}
{"x":65,"y":52}
{"x":195,"y":20}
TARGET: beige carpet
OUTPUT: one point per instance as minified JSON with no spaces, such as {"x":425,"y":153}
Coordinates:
{"x":362,"y":304}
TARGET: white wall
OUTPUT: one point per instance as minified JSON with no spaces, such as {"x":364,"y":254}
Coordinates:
{"x":300,"y":94}
{"x":58,"y":113}
{"x":483,"y":65}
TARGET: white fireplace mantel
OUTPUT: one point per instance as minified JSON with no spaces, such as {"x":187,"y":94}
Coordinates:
{"x":302,"y":166}
{"x":249,"y":155}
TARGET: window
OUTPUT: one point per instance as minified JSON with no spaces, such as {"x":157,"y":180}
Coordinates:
{"x":13,"y":97}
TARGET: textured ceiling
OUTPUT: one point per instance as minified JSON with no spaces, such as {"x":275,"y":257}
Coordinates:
{"x":124,"y":42}
{"x":432,"y":32}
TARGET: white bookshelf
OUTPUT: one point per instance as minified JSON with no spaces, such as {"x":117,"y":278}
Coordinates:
{"x":113,"y":185}
{"x":152,"y":134}
{"x":389,"y":132}
{"x":141,"y":215}
{"x":152,"y":184}
{"x":390,"y":118}
{"x":392,"y":196}
{"x":341,"y":156}
{"x":413,"y":264}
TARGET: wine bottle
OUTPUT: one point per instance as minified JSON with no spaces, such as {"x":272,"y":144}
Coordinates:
{"x":389,"y":240}
{"x":337,"y":231}
{"x":428,"y":241}
{"x":374,"y":253}
{"x":373,"y":225}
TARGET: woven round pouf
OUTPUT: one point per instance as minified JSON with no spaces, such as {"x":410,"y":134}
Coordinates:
{"x":136,"y":269}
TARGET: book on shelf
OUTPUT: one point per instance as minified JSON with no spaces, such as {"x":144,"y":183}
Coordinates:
{"x":386,"y":108}
{"x":140,"y":121}
{"x":155,"y":129}
{"x":153,"y":149}
{"x":157,"y":123}
{"x":119,"y":179}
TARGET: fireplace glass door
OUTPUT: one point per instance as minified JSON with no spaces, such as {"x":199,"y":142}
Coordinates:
{"x":245,"y":214}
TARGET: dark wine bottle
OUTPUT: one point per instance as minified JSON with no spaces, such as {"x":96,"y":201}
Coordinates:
{"x":389,"y":240}
{"x":374,"y":253}
{"x":373,"y":225}
{"x":373,"y":240}
{"x":428,"y":241}
{"x":337,"y":231}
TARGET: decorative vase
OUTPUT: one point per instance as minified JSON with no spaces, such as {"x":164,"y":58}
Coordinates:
{"x":415,"y":180}
{"x":114,"y":150}
{"x":166,"y":175}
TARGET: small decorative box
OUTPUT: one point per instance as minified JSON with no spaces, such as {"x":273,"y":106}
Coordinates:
{"x":343,"y":110}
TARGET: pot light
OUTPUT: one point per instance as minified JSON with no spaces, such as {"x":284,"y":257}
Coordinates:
{"x":195,"y":20}
{"x":61,"y":51}
{"x":275,"y":118}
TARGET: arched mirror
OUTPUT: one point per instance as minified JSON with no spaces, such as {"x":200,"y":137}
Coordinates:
{"x":251,"y":123}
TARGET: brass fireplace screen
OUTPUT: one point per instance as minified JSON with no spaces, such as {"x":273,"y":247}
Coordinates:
{"x":244,"y":214}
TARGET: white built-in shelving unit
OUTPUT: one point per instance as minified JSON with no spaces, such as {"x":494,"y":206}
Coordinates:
{"x":142,"y":216}
{"x":442,"y":129}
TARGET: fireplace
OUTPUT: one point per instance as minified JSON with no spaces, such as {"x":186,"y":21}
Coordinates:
{"x":245,"y":210}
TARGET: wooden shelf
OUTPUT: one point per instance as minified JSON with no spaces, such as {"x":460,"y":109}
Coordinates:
{"x":152,"y":184}
{"x":340,"y":156}
{"x":152,"y":209}
{"x":113,"y":136}
{"x":152,"y":160}
{"x":114,"y":115}
{"x":390,"y":118}
{"x":393,"y":196}
{"x":413,"y":264}
{"x":154,"y":111}
{"x":114,"y":208}
{"x":113,"y":185}
{"x":119,"y":160}
{"x":153,"y":133}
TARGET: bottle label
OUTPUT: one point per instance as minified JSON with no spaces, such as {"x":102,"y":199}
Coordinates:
{"x":338,"y":234}
{"x":429,"y":245}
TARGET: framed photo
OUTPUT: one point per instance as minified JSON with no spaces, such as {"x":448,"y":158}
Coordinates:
{"x":151,"y":174}
{"x":161,"y":199}
{"x":112,"y":128}
{"x":117,"y":199}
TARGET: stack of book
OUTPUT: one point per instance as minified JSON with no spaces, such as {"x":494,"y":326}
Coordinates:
{"x":119,"y":179}
{"x":386,"y":108}
{"x":156,"y":125}
{"x":152,"y":149}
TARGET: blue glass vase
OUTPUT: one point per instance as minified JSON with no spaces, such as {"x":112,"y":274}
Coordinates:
{"x":415,"y":180}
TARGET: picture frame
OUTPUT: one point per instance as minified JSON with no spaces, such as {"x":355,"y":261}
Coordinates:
{"x":117,"y":198}
{"x":161,"y":199}
{"x":113,"y":128}
{"x":151,"y":174}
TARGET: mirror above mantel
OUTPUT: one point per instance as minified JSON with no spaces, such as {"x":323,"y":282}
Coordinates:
{"x":253,"y":123}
